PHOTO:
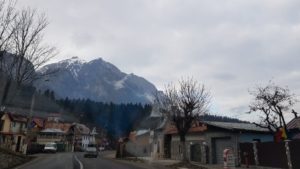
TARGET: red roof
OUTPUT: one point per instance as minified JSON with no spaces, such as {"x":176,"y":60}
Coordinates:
{"x":17,"y":117}
{"x":39,"y":122}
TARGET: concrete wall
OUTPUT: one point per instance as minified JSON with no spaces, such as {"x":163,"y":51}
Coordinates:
{"x":157,"y":149}
{"x":141,"y":147}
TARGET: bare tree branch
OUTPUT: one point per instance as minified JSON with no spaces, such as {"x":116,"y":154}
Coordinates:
{"x":273,"y":102}
{"x":184,"y":105}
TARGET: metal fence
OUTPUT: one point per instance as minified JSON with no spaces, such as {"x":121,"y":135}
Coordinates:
{"x":271,"y":154}
{"x":295,"y":153}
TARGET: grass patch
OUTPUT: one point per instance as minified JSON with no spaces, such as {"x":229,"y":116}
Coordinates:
{"x":132,"y":159}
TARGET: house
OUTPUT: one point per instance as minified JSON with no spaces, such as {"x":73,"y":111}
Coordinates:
{"x":293,"y":128}
{"x":81,"y":136}
{"x":55,"y":121}
{"x":51,"y":135}
{"x":139,"y":143}
{"x":51,"y":129}
{"x":13,"y":129}
{"x":148,"y":139}
{"x":35,"y":126}
{"x":206,"y":140}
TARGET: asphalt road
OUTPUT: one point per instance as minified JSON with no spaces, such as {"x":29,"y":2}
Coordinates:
{"x":50,"y":161}
{"x":103,"y":163}
{"x":64,"y":161}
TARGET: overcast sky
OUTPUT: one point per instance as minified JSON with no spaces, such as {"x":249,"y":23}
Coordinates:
{"x":229,"y":45}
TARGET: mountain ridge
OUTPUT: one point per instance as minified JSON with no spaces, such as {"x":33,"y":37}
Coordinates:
{"x":97,"y":80}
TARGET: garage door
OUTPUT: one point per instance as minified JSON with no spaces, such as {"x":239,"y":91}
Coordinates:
{"x":220,"y":145}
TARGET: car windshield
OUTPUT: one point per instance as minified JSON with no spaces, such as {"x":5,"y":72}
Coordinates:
{"x":50,"y":145}
{"x":146,"y":84}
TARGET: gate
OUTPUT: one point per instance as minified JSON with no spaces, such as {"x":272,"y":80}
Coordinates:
{"x":271,"y":154}
{"x":246,"y":151}
{"x":196,"y":152}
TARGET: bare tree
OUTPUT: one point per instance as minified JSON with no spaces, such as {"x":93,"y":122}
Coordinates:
{"x":272,"y":102}
{"x":23,"y":49}
{"x":28,"y":47}
{"x":8,"y":15}
{"x":183,"y":106}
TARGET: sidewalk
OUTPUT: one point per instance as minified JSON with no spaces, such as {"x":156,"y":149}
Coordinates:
{"x":141,"y":161}
{"x":215,"y":166}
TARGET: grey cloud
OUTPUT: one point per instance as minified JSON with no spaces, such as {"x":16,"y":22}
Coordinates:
{"x":229,"y":45}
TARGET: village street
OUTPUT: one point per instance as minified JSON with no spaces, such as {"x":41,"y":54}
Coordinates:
{"x":65,"y":161}
{"x":50,"y":161}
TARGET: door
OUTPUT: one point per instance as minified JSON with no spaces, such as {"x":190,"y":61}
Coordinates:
{"x":167,"y":146}
{"x":196,"y":152}
{"x":220,"y":144}
{"x":18,"y":144}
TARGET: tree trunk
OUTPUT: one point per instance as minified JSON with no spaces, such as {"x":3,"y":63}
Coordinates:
{"x":183,"y":148}
{"x":5,"y":92}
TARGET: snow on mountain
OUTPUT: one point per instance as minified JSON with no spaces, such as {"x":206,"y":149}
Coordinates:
{"x":97,"y":80}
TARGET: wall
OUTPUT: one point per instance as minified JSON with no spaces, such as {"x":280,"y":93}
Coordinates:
{"x":17,"y":127}
{"x":6,"y":125}
{"x":157,"y":150}
{"x":176,"y":152}
{"x":141,"y":147}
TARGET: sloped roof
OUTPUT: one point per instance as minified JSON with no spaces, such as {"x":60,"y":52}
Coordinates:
{"x":17,"y":117}
{"x":81,"y":128}
{"x":294,"y":124}
{"x":236,"y":126}
{"x":94,"y":132}
{"x":141,"y":132}
{"x":39,"y":122}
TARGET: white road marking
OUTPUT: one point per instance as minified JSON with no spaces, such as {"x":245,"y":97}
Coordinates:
{"x":80,"y":163}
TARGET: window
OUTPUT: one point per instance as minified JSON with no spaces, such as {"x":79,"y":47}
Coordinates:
{"x":1,"y":124}
{"x":13,"y":124}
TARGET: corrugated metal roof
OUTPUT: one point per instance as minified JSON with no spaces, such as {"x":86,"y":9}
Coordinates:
{"x":294,"y":124}
{"x":237,"y":126}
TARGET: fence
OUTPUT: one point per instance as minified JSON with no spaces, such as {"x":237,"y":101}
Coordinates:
{"x":271,"y":154}
{"x":295,"y":153}
{"x":247,"y":152}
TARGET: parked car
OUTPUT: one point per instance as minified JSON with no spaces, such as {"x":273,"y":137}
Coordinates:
{"x":91,"y":151}
{"x":101,"y":148}
{"x":50,"y":147}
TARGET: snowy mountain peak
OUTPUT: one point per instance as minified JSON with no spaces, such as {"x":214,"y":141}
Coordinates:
{"x":97,"y":80}
{"x":73,"y":60}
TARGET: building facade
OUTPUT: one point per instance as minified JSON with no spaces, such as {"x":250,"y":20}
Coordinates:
{"x":13,"y":131}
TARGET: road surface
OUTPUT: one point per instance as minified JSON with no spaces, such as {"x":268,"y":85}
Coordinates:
{"x":64,"y":161}
{"x":50,"y":161}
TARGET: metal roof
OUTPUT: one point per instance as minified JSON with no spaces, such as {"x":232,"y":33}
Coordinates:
{"x":294,"y":124}
{"x":141,"y":132}
{"x":236,"y":126}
